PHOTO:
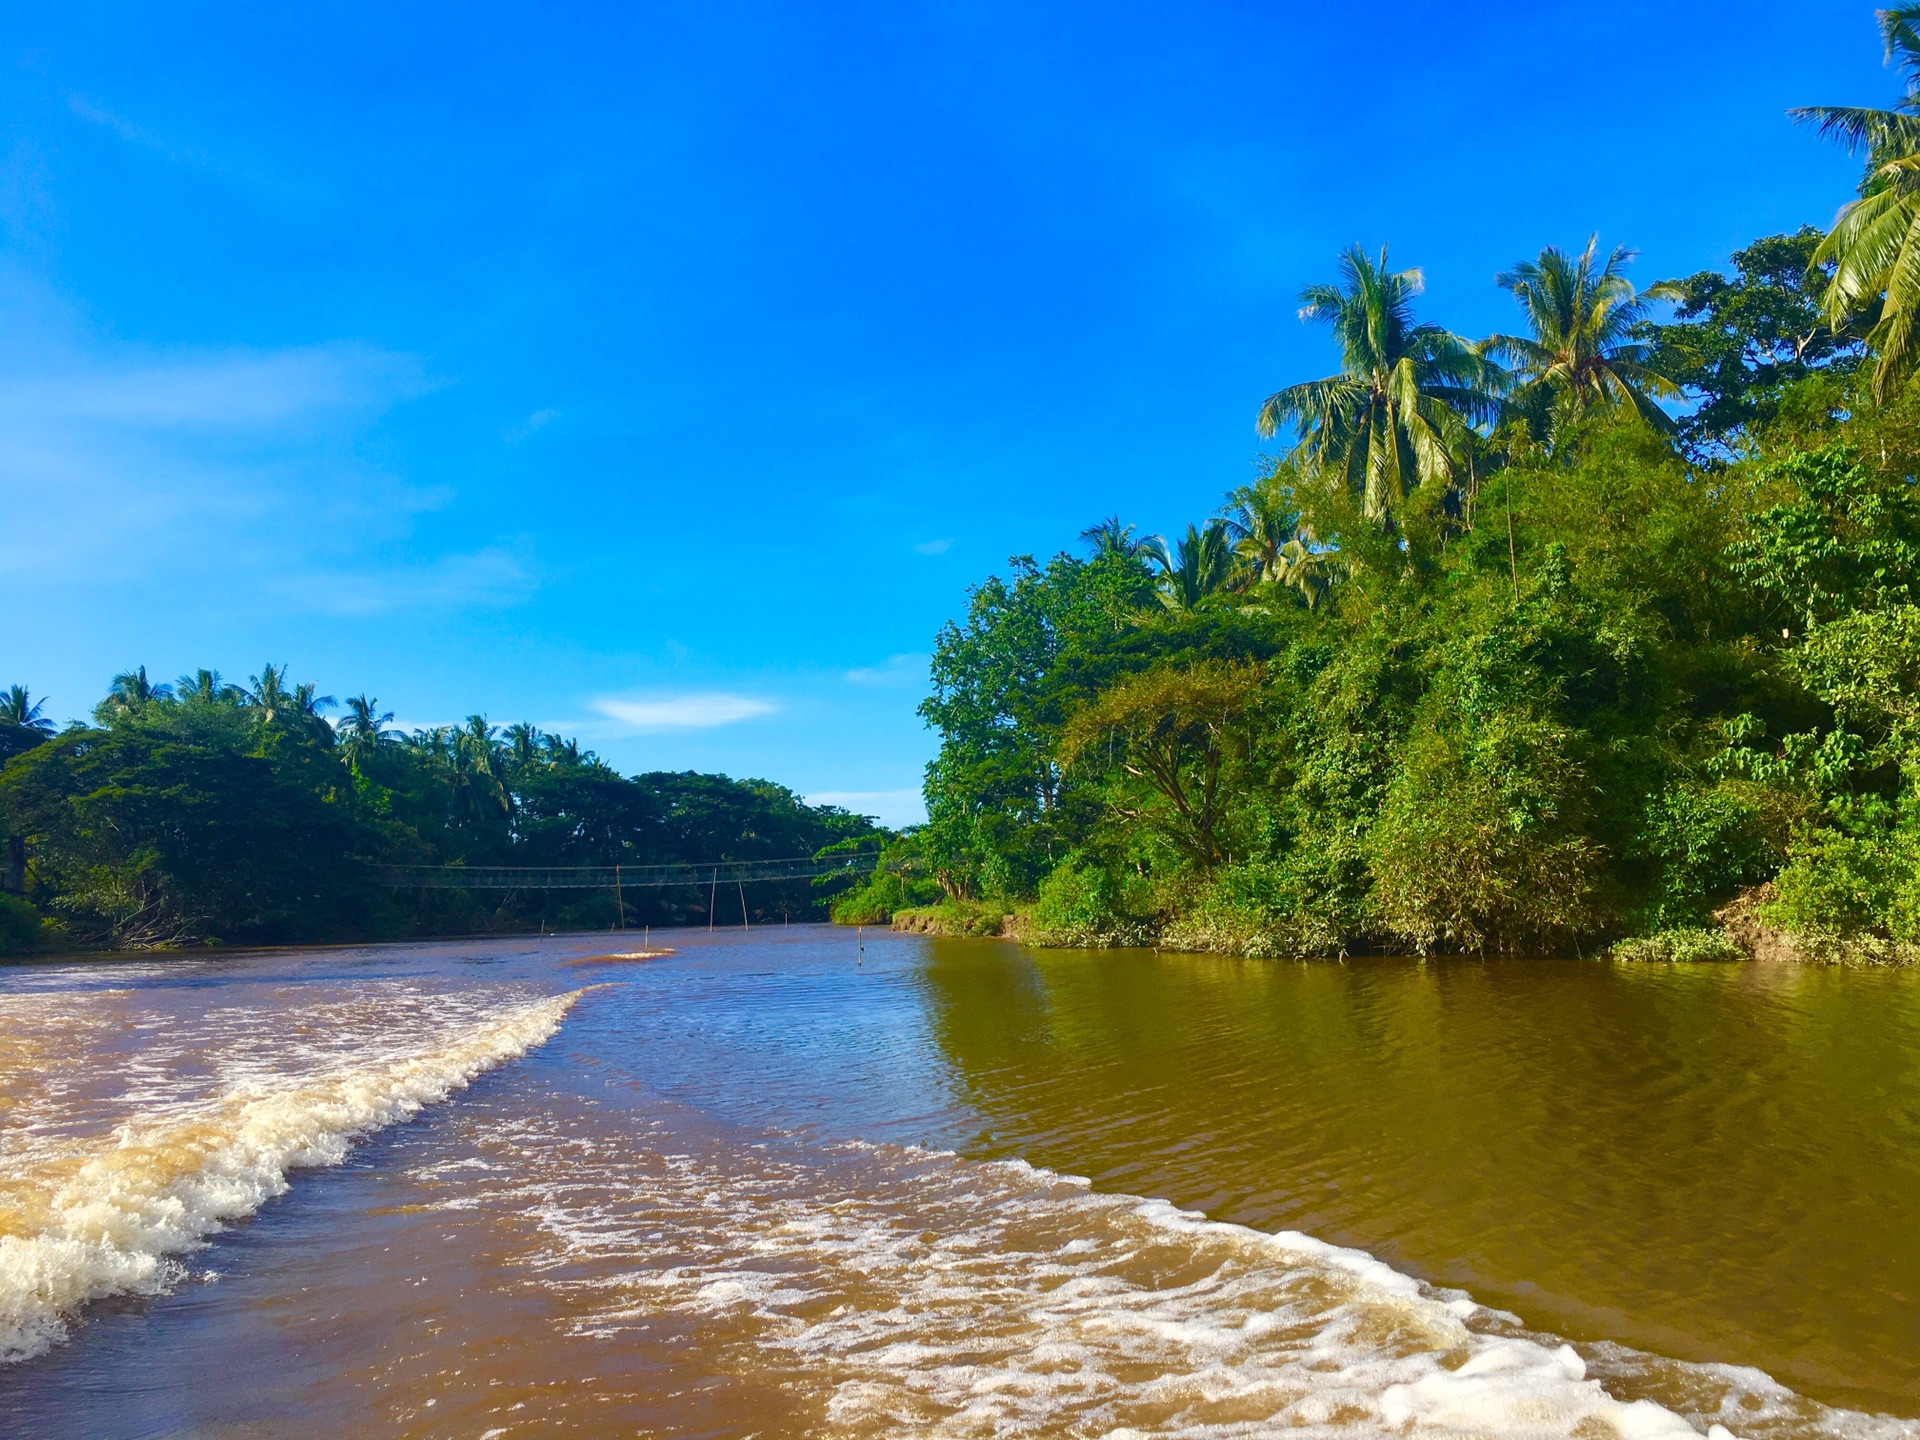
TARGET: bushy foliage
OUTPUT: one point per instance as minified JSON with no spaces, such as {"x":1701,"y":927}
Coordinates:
{"x":1271,"y":909}
{"x":1087,"y":904}
{"x":22,"y":929}
{"x":1679,"y":947}
{"x":953,"y":917}
{"x":884,"y":894}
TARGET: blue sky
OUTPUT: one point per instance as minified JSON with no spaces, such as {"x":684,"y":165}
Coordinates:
{"x":664,"y":374}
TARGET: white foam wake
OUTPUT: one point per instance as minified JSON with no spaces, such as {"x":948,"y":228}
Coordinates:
{"x":892,"y":1291}
{"x":110,"y":1219}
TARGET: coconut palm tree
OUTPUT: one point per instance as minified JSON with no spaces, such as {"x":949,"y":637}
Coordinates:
{"x":564,"y":752}
{"x":1874,"y":246}
{"x":269,"y":695}
{"x":297,"y":707}
{"x":364,"y":730}
{"x":1583,"y":351}
{"x":306,"y":712}
{"x":1396,"y":417}
{"x":1201,"y":564}
{"x":17,"y":707}
{"x":1261,"y":519}
{"x":474,"y":774}
{"x":206,"y":687}
{"x":309,"y":704}
{"x":522,"y":749}
{"x":1310,"y":572}
{"x":132,"y":693}
{"x":1111,"y":538}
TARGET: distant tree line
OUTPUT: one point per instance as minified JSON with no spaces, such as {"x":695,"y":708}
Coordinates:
{"x":204,"y":811}
{"x":1535,"y":642}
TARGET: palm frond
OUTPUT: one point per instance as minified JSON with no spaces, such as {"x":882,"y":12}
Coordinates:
{"x":1860,"y":128}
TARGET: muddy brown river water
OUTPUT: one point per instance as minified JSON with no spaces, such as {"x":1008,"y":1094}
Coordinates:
{"x":769,"y":1185}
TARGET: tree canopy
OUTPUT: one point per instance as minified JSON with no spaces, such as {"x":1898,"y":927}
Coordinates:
{"x":206,"y":811}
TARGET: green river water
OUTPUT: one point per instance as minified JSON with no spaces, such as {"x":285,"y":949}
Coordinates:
{"x":1712,"y":1162}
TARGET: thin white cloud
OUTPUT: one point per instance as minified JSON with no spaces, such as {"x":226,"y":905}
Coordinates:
{"x":130,"y":455}
{"x":899,"y":671}
{"x":97,"y":114}
{"x":933,"y":547}
{"x":215,"y":392}
{"x":150,"y":462}
{"x":486,"y":577}
{"x":225,"y":166}
{"x":208,"y":390}
{"x":683,"y":712}
{"x":538,"y":420}
{"x":890,"y":807}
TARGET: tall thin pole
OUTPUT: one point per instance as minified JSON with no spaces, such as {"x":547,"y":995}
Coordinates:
{"x":745,"y":923}
{"x":1513,"y":564}
{"x":713,"y":893}
{"x":619,"y":897}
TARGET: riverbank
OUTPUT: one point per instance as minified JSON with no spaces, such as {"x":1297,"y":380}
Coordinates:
{"x":1740,"y":933}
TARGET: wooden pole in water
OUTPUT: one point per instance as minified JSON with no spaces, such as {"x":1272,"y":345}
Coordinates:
{"x":745,"y":923}
{"x":619,"y":897}
{"x":713,"y":893}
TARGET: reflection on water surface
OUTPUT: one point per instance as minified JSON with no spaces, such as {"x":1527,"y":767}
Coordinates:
{"x":762,"y":1186}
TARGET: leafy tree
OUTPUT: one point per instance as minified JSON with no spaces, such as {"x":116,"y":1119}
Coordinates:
{"x":173,"y":832}
{"x":1180,"y":731}
{"x":22,"y":727}
{"x":1739,"y":342}
{"x":1004,"y":681}
{"x":1845,"y":538}
{"x":1396,"y":417}
{"x":1584,"y":348}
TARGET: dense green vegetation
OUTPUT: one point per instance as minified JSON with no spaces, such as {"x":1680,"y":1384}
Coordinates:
{"x":210,"y":812}
{"x":1539,"y":642}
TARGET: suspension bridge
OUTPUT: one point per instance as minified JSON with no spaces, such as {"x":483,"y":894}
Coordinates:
{"x":621,"y":878}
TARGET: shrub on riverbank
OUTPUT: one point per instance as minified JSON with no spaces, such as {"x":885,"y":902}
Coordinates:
{"x":1087,"y":905}
{"x":876,"y":902}
{"x":956,"y":918}
{"x":1679,"y":946}
{"x":22,"y":930}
